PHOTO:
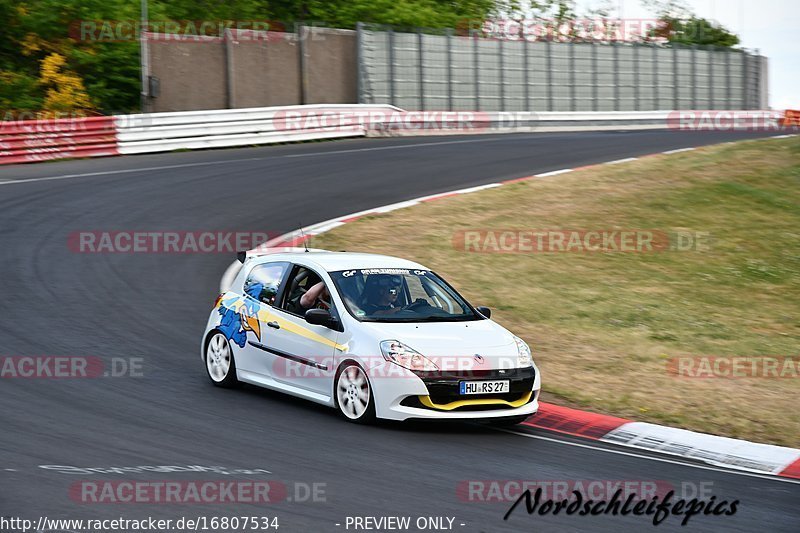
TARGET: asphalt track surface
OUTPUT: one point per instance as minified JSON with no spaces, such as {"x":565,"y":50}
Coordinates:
{"x":154,"y":306}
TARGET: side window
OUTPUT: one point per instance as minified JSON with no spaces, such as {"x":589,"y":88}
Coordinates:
{"x":300,"y":281}
{"x":415,"y":289}
{"x":264,"y":281}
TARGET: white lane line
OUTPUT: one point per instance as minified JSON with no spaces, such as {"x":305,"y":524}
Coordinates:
{"x":317,"y":229}
{"x":125,"y":171}
{"x":651,"y":458}
{"x":394,"y":207}
{"x":553,"y":173}
{"x":788,"y":136}
{"x":679,"y":150}
{"x":474,"y":189}
{"x":620,"y":161}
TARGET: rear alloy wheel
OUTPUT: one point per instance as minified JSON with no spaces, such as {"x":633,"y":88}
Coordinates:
{"x":353,"y":394}
{"x":220,"y":364}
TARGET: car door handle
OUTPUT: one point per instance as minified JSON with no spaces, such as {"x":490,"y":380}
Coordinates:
{"x":274,"y":325}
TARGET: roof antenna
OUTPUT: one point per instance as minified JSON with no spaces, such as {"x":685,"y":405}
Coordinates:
{"x":303,"y":235}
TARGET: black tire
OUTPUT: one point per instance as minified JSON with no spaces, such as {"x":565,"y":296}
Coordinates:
{"x":220,"y":363}
{"x":351,"y":392}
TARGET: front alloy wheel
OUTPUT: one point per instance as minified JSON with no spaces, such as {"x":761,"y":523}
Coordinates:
{"x":220,"y":364}
{"x":353,"y":394}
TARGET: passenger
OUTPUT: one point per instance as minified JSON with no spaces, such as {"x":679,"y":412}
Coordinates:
{"x":317,"y":297}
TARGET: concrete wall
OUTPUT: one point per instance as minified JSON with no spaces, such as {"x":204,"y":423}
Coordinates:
{"x":191,"y":74}
{"x":265,"y":73}
{"x":331,"y":67}
{"x":255,"y":69}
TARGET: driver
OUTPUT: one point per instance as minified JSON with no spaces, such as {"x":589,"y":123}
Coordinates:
{"x":382,"y":298}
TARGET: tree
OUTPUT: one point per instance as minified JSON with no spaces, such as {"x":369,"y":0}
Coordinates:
{"x":404,"y":13}
{"x":43,"y":64}
{"x":678,"y":24}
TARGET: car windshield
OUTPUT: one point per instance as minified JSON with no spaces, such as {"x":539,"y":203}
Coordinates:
{"x":400,"y":295}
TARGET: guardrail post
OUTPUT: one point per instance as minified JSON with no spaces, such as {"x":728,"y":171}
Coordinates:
{"x":144,"y":58}
{"x":675,"y":75}
{"x":300,"y":31}
{"x":757,"y":78}
{"x":421,"y":72}
{"x":617,"y":96}
{"x":728,"y":88}
{"x":694,"y":76}
{"x":595,"y":79}
{"x":636,"y":96}
{"x":501,"y":65}
{"x":390,"y":38}
{"x":449,"y":38}
{"x":745,"y":76}
{"x":526,"y":67}
{"x":476,"y":66}
{"x":656,"y":95}
{"x":230,"y":101}
{"x":572,"y":94}
{"x":711,"y":58}
{"x":359,"y":62}
{"x":550,"y":75}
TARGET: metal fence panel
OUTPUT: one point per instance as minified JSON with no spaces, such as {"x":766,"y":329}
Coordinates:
{"x":442,"y":71}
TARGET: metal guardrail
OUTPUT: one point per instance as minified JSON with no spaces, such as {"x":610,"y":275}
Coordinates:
{"x":31,"y":141}
{"x":161,"y":132}
{"x":39,"y":140}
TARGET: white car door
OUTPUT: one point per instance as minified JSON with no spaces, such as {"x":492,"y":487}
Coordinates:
{"x":260,"y":289}
{"x":302,"y":353}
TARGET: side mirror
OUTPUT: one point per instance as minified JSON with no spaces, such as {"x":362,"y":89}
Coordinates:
{"x":485,"y":311}
{"x":320,"y":317}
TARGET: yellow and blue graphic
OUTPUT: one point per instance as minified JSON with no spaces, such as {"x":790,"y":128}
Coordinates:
{"x":239,"y":316}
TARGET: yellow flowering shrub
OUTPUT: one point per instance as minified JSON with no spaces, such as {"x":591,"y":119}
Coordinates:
{"x":65,"y":89}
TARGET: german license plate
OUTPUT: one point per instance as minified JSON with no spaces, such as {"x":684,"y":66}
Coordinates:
{"x":484,"y":387}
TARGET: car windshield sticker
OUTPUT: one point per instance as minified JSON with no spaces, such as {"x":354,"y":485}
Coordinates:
{"x":396,"y":271}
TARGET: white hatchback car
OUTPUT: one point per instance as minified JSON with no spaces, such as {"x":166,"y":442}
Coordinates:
{"x":371,"y":335}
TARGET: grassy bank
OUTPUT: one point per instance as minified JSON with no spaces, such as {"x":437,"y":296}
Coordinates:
{"x":604,"y":326}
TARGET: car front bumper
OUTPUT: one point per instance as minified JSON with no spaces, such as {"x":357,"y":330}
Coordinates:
{"x":407,"y":394}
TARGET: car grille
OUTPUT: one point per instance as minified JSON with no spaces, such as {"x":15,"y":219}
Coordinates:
{"x":443,"y":387}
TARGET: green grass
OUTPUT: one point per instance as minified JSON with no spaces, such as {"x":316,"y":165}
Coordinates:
{"x":603,"y":324}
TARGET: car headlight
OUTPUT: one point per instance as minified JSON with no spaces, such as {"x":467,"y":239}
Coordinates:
{"x":398,"y":353}
{"x":524,"y":358}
